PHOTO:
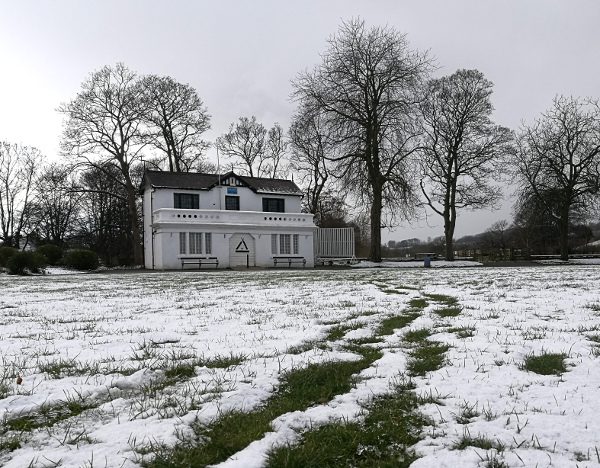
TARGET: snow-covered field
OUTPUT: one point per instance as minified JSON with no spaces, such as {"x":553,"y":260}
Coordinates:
{"x":94,"y":353}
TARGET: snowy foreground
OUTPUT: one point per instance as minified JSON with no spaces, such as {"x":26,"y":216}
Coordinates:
{"x":101,"y":341}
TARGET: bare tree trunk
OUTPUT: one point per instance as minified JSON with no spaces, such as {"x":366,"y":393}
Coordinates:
{"x":136,"y":237}
{"x":564,"y":236}
{"x":376,"y":208}
{"x":449,"y":225}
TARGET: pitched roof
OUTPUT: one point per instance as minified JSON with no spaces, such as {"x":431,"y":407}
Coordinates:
{"x":200,"y":181}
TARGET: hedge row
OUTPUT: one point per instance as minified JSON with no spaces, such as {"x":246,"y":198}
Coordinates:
{"x":19,"y":263}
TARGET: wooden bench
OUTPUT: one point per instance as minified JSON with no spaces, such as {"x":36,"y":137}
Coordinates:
{"x":200,"y":261}
{"x":289,"y":260}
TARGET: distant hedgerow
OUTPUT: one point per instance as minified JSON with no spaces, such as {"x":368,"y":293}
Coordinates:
{"x":5,"y":254}
{"x":53,"y":253}
{"x":22,"y":262}
{"x":81,"y":259}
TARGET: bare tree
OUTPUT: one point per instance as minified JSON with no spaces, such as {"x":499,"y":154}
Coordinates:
{"x":176,"y":119}
{"x":18,"y":169}
{"x":103,"y":215}
{"x":366,"y":89}
{"x":56,"y":204}
{"x":104,"y":130}
{"x":245,"y":145}
{"x":462,"y":148}
{"x":310,"y":142}
{"x":557,"y":161}
{"x":276,"y":150}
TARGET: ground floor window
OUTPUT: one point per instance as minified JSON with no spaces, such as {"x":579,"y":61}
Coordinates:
{"x":182,"y":243}
{"x":274,"y":244}
{"x":208,"y":242}
{"x":195,"y":242}
{"x":284,"y":244}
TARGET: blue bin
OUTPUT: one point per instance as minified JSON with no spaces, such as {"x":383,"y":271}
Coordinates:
{"x":427,"y":262}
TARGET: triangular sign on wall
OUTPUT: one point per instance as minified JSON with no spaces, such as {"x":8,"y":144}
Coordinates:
{"x":242,"y":247}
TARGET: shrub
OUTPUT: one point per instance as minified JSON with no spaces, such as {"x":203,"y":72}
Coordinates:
{"x":53,"y":253}
{"x":81,"y":259}
{"x":5,"y":254}
{"x":22,"y":262}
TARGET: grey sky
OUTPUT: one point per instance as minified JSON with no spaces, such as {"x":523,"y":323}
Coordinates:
{"x":241,"y":56}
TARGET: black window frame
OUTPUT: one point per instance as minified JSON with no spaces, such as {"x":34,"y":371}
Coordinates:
{"x":229,"y":198}
{"x":193,"y":197}
{"x":273,"y":205}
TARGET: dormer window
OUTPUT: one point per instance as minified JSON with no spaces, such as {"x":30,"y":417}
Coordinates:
{"x":186,"y":201}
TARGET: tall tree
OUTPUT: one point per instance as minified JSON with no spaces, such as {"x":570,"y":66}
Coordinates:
{"x":104,"y":129}
{"x":18,"y":169}
{"x":245,"y":145}
{"x":276,"y":149}
{"x":366,"y":88}
{"x":462,"y":148}
{"x":103,"y":215}
{"x":56,"y":204}
{"x":310,"y":143}
{"x":176,"y":119}
{"x":557,"y":161}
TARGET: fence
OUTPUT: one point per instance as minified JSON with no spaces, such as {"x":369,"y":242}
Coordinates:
{"x":334,"y":243}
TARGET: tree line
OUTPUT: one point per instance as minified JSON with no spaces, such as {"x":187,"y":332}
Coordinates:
{"x":372,"y":129}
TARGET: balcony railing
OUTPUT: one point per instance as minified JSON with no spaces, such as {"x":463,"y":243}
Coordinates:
{"x":254,"y":218}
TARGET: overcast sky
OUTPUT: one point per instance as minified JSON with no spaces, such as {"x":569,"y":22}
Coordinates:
{"x":241,"y":56}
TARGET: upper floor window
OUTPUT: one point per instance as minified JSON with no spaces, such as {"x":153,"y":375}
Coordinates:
{"x":186,"y":201}
{"x":274,"y":205}
{"x":232,"y":203}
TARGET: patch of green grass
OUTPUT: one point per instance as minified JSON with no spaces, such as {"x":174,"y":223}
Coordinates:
{"x":404,"y":286}
{"x":417,"y":336}
{"x":595,"y":306}
{"x":546,"y":363}
{"x":389,"y":324}
{"x":449,"y":311}
{"x":480,"y":441}
{"x":336,"y":333}
{"x":443,"y":299}
{"x":10,"y":444}
{"x":185,"y":370}
{"x":5,"y":390}
{"x":48,"y":416}
{"x":427,"y":357}
{"x":594,"y":338}
{"x":300,"y":389}
{"x":306,"y":346}
{"x":223,"y":361}
{"x":418,"y":303}
{"x":466,"y":413}
{"x":393,"y":291}
{"x":490,"y":316}
{"x":60,"y":368}
{"x":382,"y":439}
{"x":366,"y":340}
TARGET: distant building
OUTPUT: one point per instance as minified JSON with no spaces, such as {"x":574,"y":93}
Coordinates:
{"x":211,"y":220}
